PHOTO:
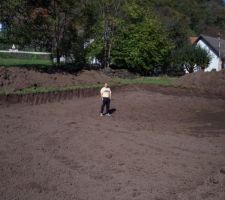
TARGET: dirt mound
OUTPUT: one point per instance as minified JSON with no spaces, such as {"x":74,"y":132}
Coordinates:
{"x":13,"y":79}
{"x":211,"y":82}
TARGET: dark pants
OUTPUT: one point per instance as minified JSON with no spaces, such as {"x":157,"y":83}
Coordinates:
{"x":105,"y":103}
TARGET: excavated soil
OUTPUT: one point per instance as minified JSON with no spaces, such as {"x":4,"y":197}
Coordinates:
{"x":212,"y":83}
{"x":159,"y":144}
{"x":14,"y":78}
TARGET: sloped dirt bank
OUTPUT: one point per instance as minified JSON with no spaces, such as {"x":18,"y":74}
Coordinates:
{"x":14,"y":78}
{"x":212,"y":83}
{"x":50,"y":97}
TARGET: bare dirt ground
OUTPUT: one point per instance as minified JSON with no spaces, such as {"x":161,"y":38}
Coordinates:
{"x":209,"y":82}
{"x":156,"y":145}
{"x":14,"y":78}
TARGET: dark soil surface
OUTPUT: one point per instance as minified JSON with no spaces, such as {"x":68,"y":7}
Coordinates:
{"x":208,"y":82}
{"x":158,"y":144}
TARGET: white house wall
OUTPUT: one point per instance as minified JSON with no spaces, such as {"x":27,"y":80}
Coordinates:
{"x":214,"y":64}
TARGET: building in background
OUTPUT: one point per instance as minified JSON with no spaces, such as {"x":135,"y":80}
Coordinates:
{"x":216,"y":49}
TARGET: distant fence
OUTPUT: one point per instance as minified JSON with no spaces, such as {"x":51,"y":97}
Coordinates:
{"x":26,"y":52}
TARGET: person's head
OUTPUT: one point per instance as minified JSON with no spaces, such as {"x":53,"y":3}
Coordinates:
{"x":106,"y":85}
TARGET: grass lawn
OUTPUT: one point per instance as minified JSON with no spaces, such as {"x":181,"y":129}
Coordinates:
{"x":161,"y":80}
{"x":17,"y":62}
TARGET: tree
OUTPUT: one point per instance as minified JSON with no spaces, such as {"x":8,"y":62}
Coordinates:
{"x":191,"y":56}
{"x":110,"y":12}
{"x":142,"y":44}
{"x":190,"y":17}
{"x":66,"y":21}
{"x":64,"y":27}
{"x":137,"y":40}
{"x":57,"y":26}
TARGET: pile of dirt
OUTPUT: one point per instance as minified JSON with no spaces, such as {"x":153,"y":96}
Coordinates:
{"x":210,"y":82}
{"x":13,"y":79}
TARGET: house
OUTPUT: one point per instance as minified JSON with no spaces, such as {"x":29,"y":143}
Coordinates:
{"x":215,"y":47}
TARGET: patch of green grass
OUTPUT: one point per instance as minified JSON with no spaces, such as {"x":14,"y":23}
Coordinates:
{"x":17,"y":62}
{"x":162,"y":80}
{"x":3,"y":93}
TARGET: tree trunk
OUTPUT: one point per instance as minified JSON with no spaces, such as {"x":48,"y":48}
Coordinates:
{"x":57,"y":56}
{"x":109,"y":54}
{"x":105,"y":55}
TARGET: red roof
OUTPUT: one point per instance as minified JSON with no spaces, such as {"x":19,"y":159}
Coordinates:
{"x":193,"y":39}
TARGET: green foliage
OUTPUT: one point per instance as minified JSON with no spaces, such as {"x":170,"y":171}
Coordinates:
{"x":95,"y":50}
{"x":133,"y":34}
{"x":60,"y":27}
{"x":189,"y":56}
{"x":138,"y":42}
{"x":197,"y":16}
{"x":162,"y":80}
{"x":141,"y":43}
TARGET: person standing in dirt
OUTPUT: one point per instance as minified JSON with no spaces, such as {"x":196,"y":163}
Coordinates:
{"x":106,"y":95}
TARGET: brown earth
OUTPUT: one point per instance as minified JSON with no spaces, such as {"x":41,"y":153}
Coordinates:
{"x":209,"y":82}
{"x":14,"y":78}
{"x":158,"y":144}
